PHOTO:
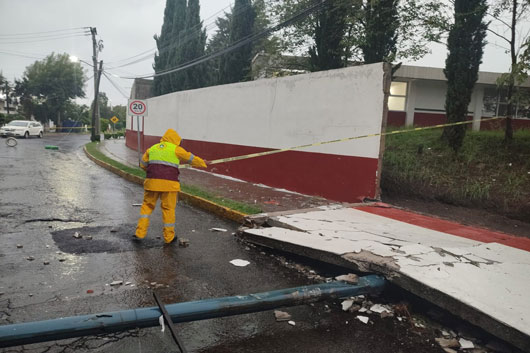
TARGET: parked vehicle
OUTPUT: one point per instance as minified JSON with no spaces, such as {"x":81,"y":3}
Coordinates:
{"x":22,"y":128}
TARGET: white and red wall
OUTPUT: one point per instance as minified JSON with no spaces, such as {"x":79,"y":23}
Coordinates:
{"x":237,"y":119}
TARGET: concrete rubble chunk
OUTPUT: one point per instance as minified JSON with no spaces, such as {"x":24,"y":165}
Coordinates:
{"x":347,"y":304}
{"x":46,"y":262}
{"x":292,"y":323}
{"x":386,"y":314}
{"x":19,"y":246}
{"x":184,"y":243}
{"x":222,"y":230}
{"x":77,"y":235}
{"x":466,"y":344}
{"x":354,"y":308}
{"x":282,"y":315}
{"x":447,"y":342}
{"x":30,"y":258}
{"x":349,"y":278}
{"x":128,"y":283}
{"x":449,"y":350}
{"x":152,"y":284}
{"x":62,"y":260}
{"x":378,"y":308}
{"x":239,"y":262}
{"x":116,"y":283}
{"x":363,"y":319}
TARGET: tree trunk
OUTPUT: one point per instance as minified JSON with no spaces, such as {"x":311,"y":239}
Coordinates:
{"x":508,"y":132}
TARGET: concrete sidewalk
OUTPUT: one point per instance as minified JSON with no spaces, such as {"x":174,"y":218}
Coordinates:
{"x":479,"y":275}
{"x":266,"y":198}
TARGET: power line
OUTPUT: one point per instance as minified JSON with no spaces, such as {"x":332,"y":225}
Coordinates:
{"x":40,"y":36}
{"x":47,"y":39}
{"x":44,"y":32}
{"x":21,"y":55}
{"x":115,"y":85}
{"x":246,"y":40}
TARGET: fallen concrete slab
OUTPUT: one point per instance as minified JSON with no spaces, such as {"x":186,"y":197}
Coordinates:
{"x":487,"y":284}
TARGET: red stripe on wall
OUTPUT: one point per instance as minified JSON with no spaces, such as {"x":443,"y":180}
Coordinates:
{"x":396,"y":118}
{"x":478,"y":234}
{"x":339,"y":178}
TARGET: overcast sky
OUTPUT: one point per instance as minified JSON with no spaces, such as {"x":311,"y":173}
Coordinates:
{"x":126,"y":28}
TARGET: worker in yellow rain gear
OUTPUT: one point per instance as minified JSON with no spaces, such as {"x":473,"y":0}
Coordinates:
{"x":161,"y":161}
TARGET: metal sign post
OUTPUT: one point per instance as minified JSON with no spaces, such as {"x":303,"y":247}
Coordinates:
{"x":138,"y":107}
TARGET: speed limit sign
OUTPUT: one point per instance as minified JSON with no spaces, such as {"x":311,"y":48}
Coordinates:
{"x":137,"y":107}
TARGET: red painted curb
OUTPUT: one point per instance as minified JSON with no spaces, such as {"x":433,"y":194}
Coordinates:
{"x":453,"y":228}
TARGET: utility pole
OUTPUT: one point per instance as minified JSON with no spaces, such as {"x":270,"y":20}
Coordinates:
{"x":7,"y":97}
{"x":96,"y":47}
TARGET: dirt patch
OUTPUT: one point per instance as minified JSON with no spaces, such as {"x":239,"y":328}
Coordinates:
{"x":464,"y":215}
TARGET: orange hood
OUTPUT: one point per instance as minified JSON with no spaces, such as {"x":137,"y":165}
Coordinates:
{"x":171,"y":136}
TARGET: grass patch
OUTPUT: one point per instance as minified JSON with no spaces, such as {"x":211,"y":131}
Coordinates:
{"x":486,"y":171}
{"x":93,"y":149}
{"x":235,"y":205}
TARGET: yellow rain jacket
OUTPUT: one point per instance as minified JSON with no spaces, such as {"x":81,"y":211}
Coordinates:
{"x":161,"y":163}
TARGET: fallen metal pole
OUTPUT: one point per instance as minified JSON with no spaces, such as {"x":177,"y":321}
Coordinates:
{"x":96,"y":324}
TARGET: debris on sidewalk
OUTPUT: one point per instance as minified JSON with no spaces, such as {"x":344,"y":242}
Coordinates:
{"x":184,"y":243}
{"x":19,"y":246}
{"x":349,"y":278}
{"x":363,"y":319}
{"x":116,"y":283}
{"x":77,"y":235}
{"x":281,"y":315}
{"x":239,"y":262}
{"x":137,"y":204}
{"x":222,"y":230}
{"x":292,"y":323}
{"x":380,"y":309}
{"x":46,"y":262}
{"x":30,"y":258}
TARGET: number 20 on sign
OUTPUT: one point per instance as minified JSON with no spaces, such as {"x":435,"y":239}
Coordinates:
{"x":137,"y":107}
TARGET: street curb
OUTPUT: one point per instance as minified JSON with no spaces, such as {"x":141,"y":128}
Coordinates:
{"x":193,"y":200}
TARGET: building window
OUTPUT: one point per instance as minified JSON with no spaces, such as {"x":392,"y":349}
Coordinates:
{"x":398,"y":96}
{"x":496,"y":102}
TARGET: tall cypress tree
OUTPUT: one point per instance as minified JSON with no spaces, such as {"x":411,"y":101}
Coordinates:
{"x":179,"y":38}
{"x":329,"y":51}
{"x":381,"y":21}
{"x":160,"y":84}
{"x":466,"y":46}
{"x":235,"y":66}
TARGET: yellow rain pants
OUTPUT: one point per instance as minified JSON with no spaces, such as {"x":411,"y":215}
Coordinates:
{"x":168,"y":202}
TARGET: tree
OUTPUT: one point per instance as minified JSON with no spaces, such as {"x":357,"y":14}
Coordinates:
{"x":375,"y":30}
{"x":219,"y":41}
{"x":235,"y":66}
{"x":466,"y":46}
{"x":328,"y":52}
{"x":517,"y":11}
{"x":77,"y":112}
{"x":49,"y":84}
{"x":167,"y":44}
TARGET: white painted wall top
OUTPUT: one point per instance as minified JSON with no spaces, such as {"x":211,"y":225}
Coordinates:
{"x":281,"y":112}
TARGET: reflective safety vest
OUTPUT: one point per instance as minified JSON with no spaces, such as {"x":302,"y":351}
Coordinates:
{"x":163,"y":162}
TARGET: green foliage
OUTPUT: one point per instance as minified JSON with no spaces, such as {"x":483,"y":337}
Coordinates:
{"x":49,"y":84}
{"x":235,"y":66}
{"x":376,"y":30}
{"x":76,"y":112}
{"x":328,"y":52}
{"x":466,"y":46}
{"x":485,"y":172}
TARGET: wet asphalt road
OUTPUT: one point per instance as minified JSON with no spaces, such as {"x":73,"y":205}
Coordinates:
{"x":46,"y":196}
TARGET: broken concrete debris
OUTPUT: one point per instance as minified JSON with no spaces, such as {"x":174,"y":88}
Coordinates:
{"x":363,"y":319}
{"x":46,"y":262}
{"x":292,"y":323}
{"x":447,"y":342}
{"x":239,"y":262}
{"x":30,"y":258}
{"x":19,"y":246}
{"x":184,"y":243}
{"x":282,"y":315}
{"x":349,"y":278}
{"x":116,"y":283}
{"x":222,"y":230}
{"x":347,"y":304}
{"x":77,"y":235}
{"x":466,"y":344}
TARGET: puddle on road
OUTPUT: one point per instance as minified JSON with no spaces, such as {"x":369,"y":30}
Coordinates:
{"x":102,"y":240}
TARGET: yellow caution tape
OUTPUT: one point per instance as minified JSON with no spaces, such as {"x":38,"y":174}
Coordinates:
{"x":259,"y":154}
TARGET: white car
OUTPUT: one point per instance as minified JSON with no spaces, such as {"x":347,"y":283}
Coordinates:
{"x":21,"y":128}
